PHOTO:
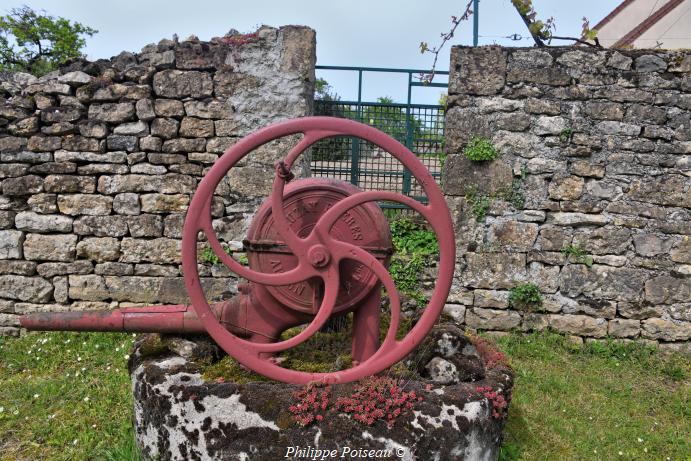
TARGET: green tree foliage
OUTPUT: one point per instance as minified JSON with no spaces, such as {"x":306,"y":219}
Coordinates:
{"x":37,"y":43}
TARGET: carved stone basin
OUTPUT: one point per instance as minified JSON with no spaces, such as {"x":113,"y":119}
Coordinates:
{"x":180,"y":414}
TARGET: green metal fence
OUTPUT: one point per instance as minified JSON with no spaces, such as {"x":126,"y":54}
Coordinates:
{"x":420,"y":127}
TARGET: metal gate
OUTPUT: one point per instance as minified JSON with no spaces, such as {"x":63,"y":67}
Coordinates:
{"x":420,"y":127}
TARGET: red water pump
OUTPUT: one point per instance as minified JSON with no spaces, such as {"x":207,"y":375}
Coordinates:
{"x":316,"y":248}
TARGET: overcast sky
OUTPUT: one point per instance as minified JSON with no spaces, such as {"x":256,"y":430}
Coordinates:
{"x":384,"y":33}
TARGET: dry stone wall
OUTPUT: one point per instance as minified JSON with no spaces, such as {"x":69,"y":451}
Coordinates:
{"x":594,"y":159}
{"x":98,"y":162}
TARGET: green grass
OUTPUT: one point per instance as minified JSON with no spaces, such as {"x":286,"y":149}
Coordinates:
{"x":591,"y":403}
{"x":66,"y":396}
{"x":570,"y":402}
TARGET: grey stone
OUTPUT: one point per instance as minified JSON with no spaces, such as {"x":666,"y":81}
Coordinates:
{"x":80,"y":143}
{"x":650,"y":63}
{"x":112,"y":112}
{"x":156,"y":270}
{"x":11,"y":244}
{"x":50,"y":270}
{"x":127,"y":204}
{"x":667,"y":289}
{"x":43,"y":203}
{"x":512,"y":235}
{"x":580,"y":325}
{"x":462,"y":175}
{"x":214,"y":109}
{"x":164,"y":203}
{"x":621,"y":328}
{"x":489,"y":319}
{"x":107,"y":157}
{"x":604,"y":240}
{"x":58,"y":129}
{"x":101,"y":226}
{"x":165,"y":184}
{"x":601,"y":110}
{"x":442,"y":371}
{"x":169,"y":108}
{"x":55,"y":168}
{"x":67,"y":183}
{"x":652,"y":244}
{"x":196,"y":128}
{"x":122,"y":142}
{"x":61,"y":289}
{"x":159,"y":251}
{"x":681,"y":252}
{"x":133,"y":128}
{"x":666,"y":330}
{"x":180,"y":84}
{"x":75,"y":78}
{"x":603,"y":282}
{"x":184,"y":145}
{"x":549,"y":125}
{"x":491,"y":298}
{"x":165,"y":128}
{"x":60,"y":114}
{"x":114,"y":268}
{"x":147,"y":168}
{"x":145,"y":226}
{"x":34,"y":222}
{"x":93,"y":129}
{"x":478,"y":71}
{"x":88,"y":288}
{"x":40,"y":143}
{"x":145,"y":110}
{"x":13,"y":170}
{"x":150,"y":143}
{"x":85,"y":204}
{"x":99,"y":249}
{"x":50,"y":247}
{"x":619,"y":61}
{"x":24,"y":185}
{"x":35,"y":289}
{"x":566,"y":187}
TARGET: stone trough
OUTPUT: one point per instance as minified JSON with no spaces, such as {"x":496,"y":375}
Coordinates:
{"x":447,"y":401}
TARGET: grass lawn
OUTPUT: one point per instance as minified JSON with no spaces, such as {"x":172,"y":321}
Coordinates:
{"x":66,"y":396}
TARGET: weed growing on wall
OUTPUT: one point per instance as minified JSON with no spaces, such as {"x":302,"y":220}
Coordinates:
{"x":480,"y":150}
{"x":415,"y":247}
{"x":525,"y":296}
{"x":577,"y":254}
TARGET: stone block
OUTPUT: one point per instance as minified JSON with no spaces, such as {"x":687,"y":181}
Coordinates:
{"x":494,"y":270}
{"x":477,"y":71}
{"x":85,"y":204}
{"x":666,"y":330}
{"x":40,"y":247}
{"x":621,"y":328}
{"x":490,"y":319}
{"x":491,"y":298}
{"x":24,"y":185}
{"x":99,"y":249}
{"x":63,"y":183}
{"x":180,"y":84}
{"x":603,"y":282}
{"x":580,"y":325}
{"x":667,"y":289}
{"x":34,"y":289}
{"x":11,"y":242}
{"x":160,"y":251}
{"x":164,"y":203}
{"x":512,"y":235}
{"x":41,"y":223}
{"x":112,"y":112}
{"x":462,"y":175}
{"x":146,"y":225}
{"x":101,"y":226}
{"x":50,"y":270}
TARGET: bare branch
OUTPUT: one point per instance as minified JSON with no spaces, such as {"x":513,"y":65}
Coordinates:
{"x":455,"y":21}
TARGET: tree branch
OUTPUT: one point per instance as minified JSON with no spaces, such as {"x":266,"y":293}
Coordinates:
{"x":456,"y":21}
